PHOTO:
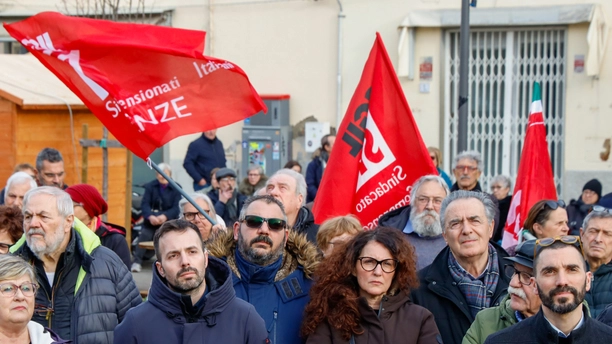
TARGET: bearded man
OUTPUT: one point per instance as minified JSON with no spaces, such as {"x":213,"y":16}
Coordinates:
{"x":420,"y":221}
{"x":272,"y":266}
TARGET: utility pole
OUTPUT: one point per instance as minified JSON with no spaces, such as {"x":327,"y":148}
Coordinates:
{"x":464,"y":75}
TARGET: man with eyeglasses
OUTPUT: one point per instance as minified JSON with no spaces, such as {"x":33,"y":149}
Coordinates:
{"x":85,"y":289}
{"x":521,"y":302}
{"x":191,"y":214}
{"x":596,"y":235}
{"x":50,"y":167}
{"x":227,"y":200}
{"x":562,"y":281}
{"x":467,"y":168}
{"x":272,"y":266}
{"x":467,"y":275}
{"x":420,"y":220}
{"x":191,"y":299}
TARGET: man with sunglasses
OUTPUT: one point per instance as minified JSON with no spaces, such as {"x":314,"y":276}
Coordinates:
{"x":521,"y":303}
{"x":466,"y":276}
{"x":272,"y":266}
{"x":596,"y":235}
{"x":562,"y":281}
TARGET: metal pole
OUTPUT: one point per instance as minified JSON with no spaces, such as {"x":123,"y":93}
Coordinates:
{"x":462,"y":130}
{"x":341,"y":16}
{"x":177,"y":187}
{"x":104,"y":168}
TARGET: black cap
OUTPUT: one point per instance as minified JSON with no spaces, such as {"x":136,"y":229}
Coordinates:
{"x":225,"y":172}
{"x":524,"y":253}
{"x":593,"y":185}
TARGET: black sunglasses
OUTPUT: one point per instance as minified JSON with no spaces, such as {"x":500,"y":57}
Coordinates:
{"x":600,"y":209}
{"x":254,"y":221}
{"x":573,"y":240}
{"x":555,"y":204}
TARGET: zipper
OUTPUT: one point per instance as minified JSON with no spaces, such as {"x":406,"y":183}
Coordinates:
{"x":49,"y":313}
{"x":274,"y":326}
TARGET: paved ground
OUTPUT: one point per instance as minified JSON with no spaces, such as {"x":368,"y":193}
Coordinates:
{"x":143,"y":278}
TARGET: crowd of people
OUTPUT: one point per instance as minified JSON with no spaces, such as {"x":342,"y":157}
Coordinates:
{"x":262,"y":271}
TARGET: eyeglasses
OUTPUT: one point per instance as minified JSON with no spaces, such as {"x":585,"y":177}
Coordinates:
{"x":227,"y":179}
{"x":566,"y":239}
{"x":555,"y":204}
{"x":192,"y":216}
{"x":423,"y":200}
{"x":253,"y":174}
{"x":10,"y":289}
{"x":464,"y":167}
{"x":4,"y":247}
{"x":74,"y":204}
{"x":600,"y":209}
{"x":370,"y":264}
{"x":524,"y":277}
{"x":254,"y":221}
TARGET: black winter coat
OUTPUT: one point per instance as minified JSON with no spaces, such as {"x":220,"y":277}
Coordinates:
{"x":305,"y":224}
{"x":113,"y":237}
{"x":397,"y":218}
{"x":439,"y":294}
{"x":576,"y":212}
{"x":103,"y":295}
{"x":220,"y":318}
{"x":155,"y":202}
{"x":537,"y":330}
{"x":203,"y":155}
{"x":221,"y":208}
{"x":600,"y":295}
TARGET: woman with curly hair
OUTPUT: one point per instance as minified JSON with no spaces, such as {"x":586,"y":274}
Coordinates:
{"x":11,"y":227}
{"x":362,"y":294}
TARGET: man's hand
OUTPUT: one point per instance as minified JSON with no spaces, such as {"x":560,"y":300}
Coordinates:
{"x":162,"y":218}
{"x":202,"y":182}
{"x":225,"y":195}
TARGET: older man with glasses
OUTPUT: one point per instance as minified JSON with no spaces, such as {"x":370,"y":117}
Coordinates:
{"x":191,"y":214}
{"x":596,"y":235}
{"x":562,"y":280}
{"x":521,"y":302}
{"x":272,"y":266}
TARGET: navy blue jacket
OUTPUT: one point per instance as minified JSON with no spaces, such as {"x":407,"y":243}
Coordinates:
{"x":219,"y":317}
{"x":314,"y":174}
{"x":155,"y":202}
{"x":202,"y":156}
{"x":537,"y":330}
{"x":113,"y":237}
{"x":278,"y":291}
{"x":220,"y":206}
{"x":600,"y":294}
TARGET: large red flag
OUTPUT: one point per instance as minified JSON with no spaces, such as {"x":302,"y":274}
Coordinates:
{"x":535,"y":180}
{"x":146,"y":84}
{"x":380,"y":152}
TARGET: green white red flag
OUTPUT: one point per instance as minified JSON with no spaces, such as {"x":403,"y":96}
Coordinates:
{"x":535,"y":180}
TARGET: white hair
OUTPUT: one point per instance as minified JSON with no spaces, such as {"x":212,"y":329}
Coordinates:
{"x":300,"y":182}
{"x":18,"y":178}
{"x":63,"y":201}
{"x":471,"y":155}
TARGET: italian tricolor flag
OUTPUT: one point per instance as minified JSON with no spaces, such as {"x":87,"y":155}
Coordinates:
{"x":535,"y":180}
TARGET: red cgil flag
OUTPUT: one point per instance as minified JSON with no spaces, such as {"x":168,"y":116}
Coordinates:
{"x":379,"y":152}
{"x":147,"y":84}
{"x":535,"y":180}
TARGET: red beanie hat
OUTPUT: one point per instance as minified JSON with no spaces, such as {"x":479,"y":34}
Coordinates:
{"x":89,"y":197}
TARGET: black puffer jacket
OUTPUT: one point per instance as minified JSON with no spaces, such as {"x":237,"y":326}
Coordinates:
{"x":305,"y":224}
{"x":600,"y":294}
{"x":219,"y":318}
{"x":92,"y":291}
{"x":439,"y":293}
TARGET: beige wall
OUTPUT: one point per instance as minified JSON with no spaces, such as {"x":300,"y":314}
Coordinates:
{"x":291,"y":47}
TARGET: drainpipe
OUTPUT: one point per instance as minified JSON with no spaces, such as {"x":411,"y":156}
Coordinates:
{"x":339,"y":77}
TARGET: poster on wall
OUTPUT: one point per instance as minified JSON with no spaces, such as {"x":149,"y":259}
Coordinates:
{"x":257,"y":154}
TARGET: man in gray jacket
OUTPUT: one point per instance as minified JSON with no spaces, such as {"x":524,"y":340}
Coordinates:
{"x":85,"y":289}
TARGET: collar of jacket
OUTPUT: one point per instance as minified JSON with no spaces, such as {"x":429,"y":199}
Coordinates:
{"x":550,"y":335}
{"x":298,"y":253}
{"x":108,"y":228}
{"x":221,"y":293}
{"x":397,"y":218}
{"x":388,"y":305}
{"x":455,"y":187}
{"x":253,"y":273}
{"x":439,"y":282}
{"x":304,"y":219}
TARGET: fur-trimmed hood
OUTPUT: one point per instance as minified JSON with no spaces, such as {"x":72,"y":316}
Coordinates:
{"x":298,"y":252}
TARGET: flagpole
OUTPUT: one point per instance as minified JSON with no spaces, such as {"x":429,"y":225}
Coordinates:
{"x":464,"y":41}
{"x":179,"y":189}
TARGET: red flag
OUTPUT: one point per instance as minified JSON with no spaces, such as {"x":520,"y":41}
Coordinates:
{"x":147,"y":84}
{"x":535,"y":180}
{"x":379,"y":152}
